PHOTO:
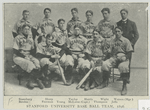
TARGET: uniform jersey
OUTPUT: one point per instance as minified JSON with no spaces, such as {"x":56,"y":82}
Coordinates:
{"x":71,"y":24}
{"x":46,"y":26}
{"x":94,"y":48}
{"x":121,"y":45}
{"x":60,"y":37}
{"x":77,"y":43}
{"x":45,"y":49}
{"x":19,"y":24}
{"x":106,"y":28}
{"x":23,"y":44}
{"x":88,"y":28}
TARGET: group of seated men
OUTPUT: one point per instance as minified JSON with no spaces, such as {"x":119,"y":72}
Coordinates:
{"x":44,"y":50}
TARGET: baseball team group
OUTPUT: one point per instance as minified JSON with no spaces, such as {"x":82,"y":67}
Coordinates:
{"x":82,"y":51}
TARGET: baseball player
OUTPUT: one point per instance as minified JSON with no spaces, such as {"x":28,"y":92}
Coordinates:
{"x":121,"y":50}
{"x":74,"y":21}
{"x":47,"y":54}
{"x":77,"y":44}
{"x":88,"y":25}
{"x":93,"y":59}
{"x":23,"y":44}
{"x":106,"y":29}
{"x":46,"y":26}
{"x":25,"y":20}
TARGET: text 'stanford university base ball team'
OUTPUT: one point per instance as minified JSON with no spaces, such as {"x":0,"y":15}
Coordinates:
{"x":83,"y":49}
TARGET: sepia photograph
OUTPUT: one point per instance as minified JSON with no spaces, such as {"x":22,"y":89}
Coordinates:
{"x":75,"y":49}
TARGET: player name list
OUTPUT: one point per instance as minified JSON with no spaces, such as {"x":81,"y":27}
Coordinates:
{"x":79,"y":102}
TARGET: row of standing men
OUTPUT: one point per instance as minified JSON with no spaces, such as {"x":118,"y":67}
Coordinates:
{"x":78,"y":49}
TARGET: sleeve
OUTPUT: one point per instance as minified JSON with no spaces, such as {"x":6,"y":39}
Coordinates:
{"x":128,"y":46}
{"x":17,"y":52}
{"x":136,"y":34}
{"x":88,"y":49}
{"x":16,"y":43}
{"x":39,"y":49}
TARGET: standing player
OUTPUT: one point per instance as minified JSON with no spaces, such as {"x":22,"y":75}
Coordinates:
{"x":106,"y":29}
{"x":129,"y":29}
{"x":25,"y":20}
{"x":45,"y":27}
{"x":120,"y":54}
{"x":88,"y":25}
{"x":74,"y":21}
{"x":23,"y":44}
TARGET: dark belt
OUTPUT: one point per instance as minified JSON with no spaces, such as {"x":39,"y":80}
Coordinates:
{"x":97,"y":56}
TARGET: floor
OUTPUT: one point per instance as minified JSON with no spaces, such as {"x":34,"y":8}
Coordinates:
{"x":137,"y":87}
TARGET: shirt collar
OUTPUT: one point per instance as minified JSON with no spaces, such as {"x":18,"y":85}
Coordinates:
{"x":108,"y":20}
{"x":87,"y":22}
{"x":45,"y":19}
{"x":75,"y":19}
{"x":59,"y":30}
{"x":22,"y":20}
{"x":124,"y":20}
{"x":120,"y":39}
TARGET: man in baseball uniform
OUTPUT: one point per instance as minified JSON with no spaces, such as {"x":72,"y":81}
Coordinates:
{"x":46,"y":26}
{"x":25,"y":20}
{"x":48,"y":55}
{"x":94,"y":57}
{"x":23,"y":44}
{"x":129,"y":28}
{"x":88,"y":25}
{"x":120,"y":54}
{"x":106,"y":28}
{"x":77,"y":44}
{"x":74,"y":21}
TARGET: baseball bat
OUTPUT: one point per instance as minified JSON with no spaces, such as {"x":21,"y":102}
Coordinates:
{"x":84,"y":78}
{"x":62,"y":75}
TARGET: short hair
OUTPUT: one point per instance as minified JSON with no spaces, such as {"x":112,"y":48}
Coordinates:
{"x":48,"y":36}
{"x":74,"y":9}
{"x":89,"y":11}
{"x":24,"y":11}
{"x":47,"y":9}
{"x":105,"y":9}
{"x":124,"y":10}
{"x":61,"y":20}
{"x":119,"y":27}
{"x":26,"y":25}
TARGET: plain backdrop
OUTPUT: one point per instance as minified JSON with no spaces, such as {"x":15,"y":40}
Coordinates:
{"x":137,"y":13}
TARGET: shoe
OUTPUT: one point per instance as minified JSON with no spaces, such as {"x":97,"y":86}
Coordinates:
{"x":87,"y":85}
{"x":47,"y":82}
{"x":30,"y":85}
{"x":124,"y":90}
{"x":40,"y":84}
{"x":93,"y":85}
{"x":103,"y":85}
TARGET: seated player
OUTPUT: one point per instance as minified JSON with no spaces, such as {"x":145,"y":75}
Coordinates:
{"x":120,"y":53}
{"x":77,"y":44}
{"x":23,"y":44}
{"x":48,"y":55}
{"x":94,"y":55}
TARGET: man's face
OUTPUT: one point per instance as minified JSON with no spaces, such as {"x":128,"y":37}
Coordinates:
{"x":61,"y":25}
{"x":47,"y":13}
{"x":74,"y":14}
{"x":95,"y":35}
{"x":26,"y":15}
{"x":106,"y":14}
{"x":124,"y":14}
{"x":26,"y":30}
{"x":49,"y":40}
{"x":118,"y":33}
{"x":89,"y":16}
{"x":77,"y":31}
